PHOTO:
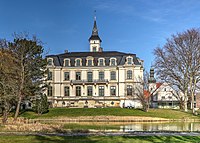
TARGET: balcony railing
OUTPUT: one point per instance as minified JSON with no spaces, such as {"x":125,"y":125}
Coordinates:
{"x":95,"y":81}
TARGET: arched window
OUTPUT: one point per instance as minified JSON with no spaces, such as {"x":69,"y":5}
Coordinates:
{"x":101,"y":61}
{"x":78,"y":62}
{"x":66,"y":62}
{"x":129,"y":60}
{"x":50,"y":62}
{"x":89,"y":61}
{"x":113,"y":62}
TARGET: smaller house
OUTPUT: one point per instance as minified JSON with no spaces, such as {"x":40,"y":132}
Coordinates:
{"x":197,"y":99}
{"x":162,"y":94}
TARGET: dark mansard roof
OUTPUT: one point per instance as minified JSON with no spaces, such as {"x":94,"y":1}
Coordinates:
{"x":120,"y":56}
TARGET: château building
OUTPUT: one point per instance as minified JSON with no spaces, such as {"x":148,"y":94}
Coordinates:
{"x":94,"y":79}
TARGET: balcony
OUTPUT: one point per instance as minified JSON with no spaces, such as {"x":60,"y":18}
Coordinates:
{"x":99,"y":81}
{"x":95,"y":81}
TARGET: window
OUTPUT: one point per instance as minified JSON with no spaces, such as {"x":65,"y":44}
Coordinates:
{"x":50,"y":62}
{"x":49,"y":91}
{"x":129,"y":61}
{"x":129,"y":74}
{"x":113,"y":75}
{"x":112,"y":62}
{"x":66,"y":91}
{"x":101,"y":90}
{"x":129,"y":90}
{"x":78,"y":62}
{"x":50,"y":75}
{"x":89,"y":62}
{"x":89,"y":76}
{"x":163,"y":97}
{"x":94,"y":49}
{"x":66,"y":63}
{"x":78,"y":75}
{"x":89,"y":90}
{"x":78,"y":91}
{"x":66,"y":76}
{"x":101,"y":75}
{"x":113,"y":90}
{"x":101,"y":62}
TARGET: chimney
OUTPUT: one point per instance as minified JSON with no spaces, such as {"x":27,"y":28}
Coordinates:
{"x":100,"y":49}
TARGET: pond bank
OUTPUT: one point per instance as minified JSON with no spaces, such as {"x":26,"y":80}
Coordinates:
{"x":107,"y":119}
{"x":136,"y":133}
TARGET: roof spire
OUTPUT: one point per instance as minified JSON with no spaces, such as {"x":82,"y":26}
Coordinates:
{"x":95,"y":30}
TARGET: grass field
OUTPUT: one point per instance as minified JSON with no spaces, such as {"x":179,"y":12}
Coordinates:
{"x":75,"y":112}
{"x":99,"y":139}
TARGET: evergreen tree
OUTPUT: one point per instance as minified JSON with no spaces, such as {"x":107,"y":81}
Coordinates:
{"x":28,"y":54}
{"x":41,"y":104}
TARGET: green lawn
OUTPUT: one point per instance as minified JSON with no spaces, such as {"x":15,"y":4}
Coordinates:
{"x":99,"y":139}
{"x":75,"y":112}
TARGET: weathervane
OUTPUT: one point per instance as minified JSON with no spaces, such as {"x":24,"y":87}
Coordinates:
{"x":95,"y":15}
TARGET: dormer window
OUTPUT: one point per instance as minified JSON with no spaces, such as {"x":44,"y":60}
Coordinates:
{"x":78,"y":62}
{"x":112,"y":61}
{"x":50,"y":62}
{"x":129,"y":60}
{"x":101,"y":62}
{"x":66,"y":62}
{"x":90,"y":61}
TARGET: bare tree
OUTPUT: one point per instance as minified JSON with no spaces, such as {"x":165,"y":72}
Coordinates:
{"x":178,"y":63}
{"x":141,"y":90}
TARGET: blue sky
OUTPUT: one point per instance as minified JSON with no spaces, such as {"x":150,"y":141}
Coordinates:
{"x":132,"y":26}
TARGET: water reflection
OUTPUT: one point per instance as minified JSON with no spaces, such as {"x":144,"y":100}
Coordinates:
{"x":172,"y":126}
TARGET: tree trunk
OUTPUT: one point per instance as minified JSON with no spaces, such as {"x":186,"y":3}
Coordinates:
{"x":20,"y":91}
{"x":5,"y":116}
{"x":185,"y":106}
{"x":18,"y":108}
{"x":192,"y":103}
{"x":5,"y":111}
{"x":185,"y":101}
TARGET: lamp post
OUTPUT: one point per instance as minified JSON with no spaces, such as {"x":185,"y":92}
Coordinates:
{"x":86,"y":103}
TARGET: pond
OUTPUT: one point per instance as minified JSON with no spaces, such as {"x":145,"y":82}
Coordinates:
{"x":171,"y":126}
{"x":132,"y":127}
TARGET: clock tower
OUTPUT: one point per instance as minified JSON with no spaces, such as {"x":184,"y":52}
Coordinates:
{"x":95,"y":41}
